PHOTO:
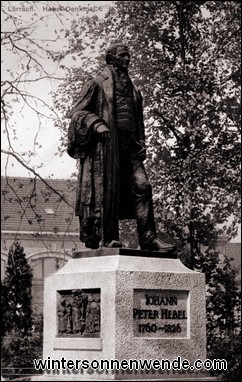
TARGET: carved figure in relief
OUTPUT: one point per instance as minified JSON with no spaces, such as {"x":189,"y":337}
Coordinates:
{"x":61,"y":312}
{"x":83,"y":302}
{"x":68,"y":318}
{"x":76,"y":315}
{"x":93,"y":315}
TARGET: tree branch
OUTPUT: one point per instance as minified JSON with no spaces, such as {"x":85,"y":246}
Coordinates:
{"x":37,"y":175}
{"x":168,"y":124}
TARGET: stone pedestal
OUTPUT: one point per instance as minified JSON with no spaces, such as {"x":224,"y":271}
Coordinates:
{"x":137,"y":308}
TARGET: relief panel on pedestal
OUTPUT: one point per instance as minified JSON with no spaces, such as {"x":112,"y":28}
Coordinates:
{"x":78,"y":313}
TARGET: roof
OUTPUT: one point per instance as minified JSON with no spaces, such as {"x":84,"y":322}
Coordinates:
{"x":31,"y":205}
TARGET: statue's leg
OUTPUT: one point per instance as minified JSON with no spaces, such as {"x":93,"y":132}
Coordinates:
{"x":142,"y":192}
{"x":89,"y":232}
{"x":111,"y":230}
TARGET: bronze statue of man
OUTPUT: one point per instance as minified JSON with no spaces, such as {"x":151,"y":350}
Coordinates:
{"x":107,"y":134}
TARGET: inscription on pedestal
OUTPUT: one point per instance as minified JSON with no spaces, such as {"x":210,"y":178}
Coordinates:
{"x":160,"y":313}
{"x":78,"y":313}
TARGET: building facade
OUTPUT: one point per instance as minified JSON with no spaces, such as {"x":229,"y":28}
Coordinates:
{"x":41,"y":218}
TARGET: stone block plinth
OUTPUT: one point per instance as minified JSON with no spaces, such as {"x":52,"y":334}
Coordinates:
{"x":117,"y":304}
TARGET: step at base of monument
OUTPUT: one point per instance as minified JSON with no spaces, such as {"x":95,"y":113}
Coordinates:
{"x":188,"y":378}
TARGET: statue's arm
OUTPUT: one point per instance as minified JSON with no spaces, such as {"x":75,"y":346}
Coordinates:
{"x":84,"y":121}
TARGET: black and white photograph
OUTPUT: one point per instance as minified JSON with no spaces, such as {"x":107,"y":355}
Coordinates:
{"x":120,"y":191}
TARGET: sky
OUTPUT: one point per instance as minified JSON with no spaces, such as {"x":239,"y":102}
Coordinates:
{"x":25,"y":122}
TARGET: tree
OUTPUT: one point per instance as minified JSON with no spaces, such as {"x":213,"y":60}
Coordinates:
{"x":223,"y":296}
{"x":24,"y":62}
{"x":27,"y":70}
{"x":30,"y":58}
{"x":18,"y":351}
{"x":16,"y":293}
{"x":223,"y":312}
{"x":190,"y":82}
{"x":189,"y":74}
{"x":32,"y":40}
{"x":22,"y":332}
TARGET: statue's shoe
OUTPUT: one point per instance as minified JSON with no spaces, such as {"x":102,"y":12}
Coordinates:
{"x":95,"y":244}
{"x":92,"y":243}
{"x":156,"y":245}
{"x":114,"y":244}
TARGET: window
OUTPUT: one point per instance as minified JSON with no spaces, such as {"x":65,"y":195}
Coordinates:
{"x":49,"y":211}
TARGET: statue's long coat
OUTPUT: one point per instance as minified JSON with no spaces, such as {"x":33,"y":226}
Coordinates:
{"x":114,"y":201}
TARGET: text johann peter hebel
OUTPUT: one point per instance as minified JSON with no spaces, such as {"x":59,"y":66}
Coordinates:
{"x":160,"y":315}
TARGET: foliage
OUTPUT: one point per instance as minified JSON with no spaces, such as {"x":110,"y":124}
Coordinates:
{"x":223,"y":297}
{"x":29,"y":73}
{"x":128,"y":233}
{"x":16,"y":293}
{"x":19,"y":350}
{"x":22,"y":332}
{"x":228,"y":348}
{"x":187,"y":64}
{"x":191,"y":89}
{"x":189,"y":74}
{"x":223,"y":302}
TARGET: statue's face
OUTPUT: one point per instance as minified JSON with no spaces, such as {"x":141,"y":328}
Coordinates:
{"x":122,"y":58}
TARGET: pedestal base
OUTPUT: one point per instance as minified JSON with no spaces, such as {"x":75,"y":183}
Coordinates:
{"x":138,"y":308}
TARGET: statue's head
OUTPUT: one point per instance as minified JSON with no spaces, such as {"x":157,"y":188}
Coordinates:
{"x":118,"y":55}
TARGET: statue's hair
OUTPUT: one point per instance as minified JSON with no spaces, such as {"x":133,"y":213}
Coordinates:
{"x":112,"y":49}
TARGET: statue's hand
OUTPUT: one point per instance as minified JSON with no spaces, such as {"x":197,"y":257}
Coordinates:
{"x":75,"y":116}
{"x":103,"y":133}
